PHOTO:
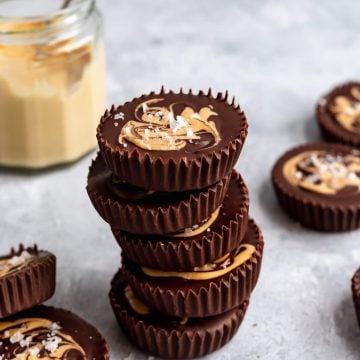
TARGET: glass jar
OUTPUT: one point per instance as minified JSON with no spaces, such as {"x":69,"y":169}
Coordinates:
{"x":52,"y":80}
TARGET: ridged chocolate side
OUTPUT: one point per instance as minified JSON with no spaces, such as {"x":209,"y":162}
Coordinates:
{"x":200,"y":298}
{"x":139,"y":219}
{"x":186,"y":253}
{"x":330,"y":129}
{"x":28,"y":286}
{"x":179,"y":342}
{"x":172,"y":175}
{"x":311,"y":212}
{"x":355,"y":287}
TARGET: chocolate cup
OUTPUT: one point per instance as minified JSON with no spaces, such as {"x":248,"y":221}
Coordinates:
{"x":160,"y":213}
{"x":179,"y":170}
{"x":331,"y":129}
{"x":30,"y":285}
{"x":316,"y":211}
{"x":199,"y":298}
{"x":176,"y":253}
{"x":355,"y":287}
{"x":83,"y":333}
{"x":162,"y":336}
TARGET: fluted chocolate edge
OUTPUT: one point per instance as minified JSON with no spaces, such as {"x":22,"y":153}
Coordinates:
{"x":178,"y":343}
{"x":311,"y":214}
{"x":177,"y":254}
{"x":170,"y":175}
{"x":137,"y":219}
{"x":28,"y":286}
{"x":217,"y":296}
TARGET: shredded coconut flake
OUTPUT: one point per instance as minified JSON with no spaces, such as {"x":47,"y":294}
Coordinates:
{"x":16,"y":338}
{"x":52,"y":343}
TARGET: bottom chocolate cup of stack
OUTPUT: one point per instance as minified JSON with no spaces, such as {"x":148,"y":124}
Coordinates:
{"x":167,"y":336}
{"x":355,"y":287}
{"x":215,"y":288}
{"x":218,"y":235}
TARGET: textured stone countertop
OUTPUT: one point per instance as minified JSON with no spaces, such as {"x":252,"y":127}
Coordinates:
{"x":277,"y":58}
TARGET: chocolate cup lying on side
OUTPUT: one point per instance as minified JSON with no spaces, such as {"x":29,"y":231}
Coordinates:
{"x":171,"y":337}
{"x":201,"y":244}
{"x":142,"y":211}
{"x":355,"y":287}
{"x":207,"y":291}
{"x":47,"y":332}
{"x":27,"y":278}
{"x":338,"y":114}
{"x":319,"y":186}
{"x":173,"y":142}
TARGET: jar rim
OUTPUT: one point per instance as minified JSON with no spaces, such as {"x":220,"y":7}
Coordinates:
{"x":71,"y":12}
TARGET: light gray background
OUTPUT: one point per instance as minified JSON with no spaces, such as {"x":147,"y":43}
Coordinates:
{"x":277,"y":58}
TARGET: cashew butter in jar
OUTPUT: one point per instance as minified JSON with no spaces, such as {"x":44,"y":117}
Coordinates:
{"x":52,"y":80}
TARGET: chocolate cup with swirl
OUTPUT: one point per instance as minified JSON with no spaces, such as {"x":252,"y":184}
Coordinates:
{"x":178,"y":252}
{"x":170,"y":337}
{"x":355,"y":287}
{"x":141,"y":211}
{"x":39,"y":331}
{"x":329,"y":110}
{"x":174,"y":141}
{"x":311,"y":193}
{"x":27,"y":278}
{"x":212,"y":292}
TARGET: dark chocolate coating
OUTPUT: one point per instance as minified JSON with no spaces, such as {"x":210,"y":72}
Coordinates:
{"x":182,"y":253}
{"x":355,"y":287}
{"x":197,"y":165}
{"x":86,"y":335}
{"x":155,"y":213}
{"x":331,"y":129}
{"x":198,"y":298}
{"x":339,"y":212}
{"x":164,"y":336}
{"x":29,"y":285}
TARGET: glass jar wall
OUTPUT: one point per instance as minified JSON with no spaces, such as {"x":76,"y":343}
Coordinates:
{"x":52,"y":80}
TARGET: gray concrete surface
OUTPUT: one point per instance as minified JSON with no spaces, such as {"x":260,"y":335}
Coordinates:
{"x":277,"y":58}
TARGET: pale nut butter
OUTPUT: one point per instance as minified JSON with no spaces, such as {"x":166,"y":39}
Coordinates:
{"x":52,"y":89}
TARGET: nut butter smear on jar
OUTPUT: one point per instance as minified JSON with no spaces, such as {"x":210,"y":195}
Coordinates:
{"x":52,"y":80}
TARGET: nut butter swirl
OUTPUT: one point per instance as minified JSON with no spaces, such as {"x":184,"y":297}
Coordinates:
{"x":347,"y":111}
{"x":15,"y":262}
{"x":209,"y":271}
{"x":324,"y":173}
{"x":36,"y":338}
{"x":159,"y":128}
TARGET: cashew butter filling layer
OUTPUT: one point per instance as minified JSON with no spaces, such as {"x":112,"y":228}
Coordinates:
{"x":218,"y":268}
{"x":139,"y":307}
{"x":198,"y":229}
{"x":324,"y":173}
{"x":160,"y":128}
{"x":15,"y":262}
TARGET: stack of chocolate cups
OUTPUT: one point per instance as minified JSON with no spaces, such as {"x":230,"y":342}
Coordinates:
{"x":165,"y":183}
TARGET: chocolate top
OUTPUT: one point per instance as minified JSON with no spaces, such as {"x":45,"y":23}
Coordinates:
{"x":50,"y":333}
{"x":169,"y":125}
{"x":322,"y":172}
{"x":20,"y":259}
{"x":338,"y":113}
